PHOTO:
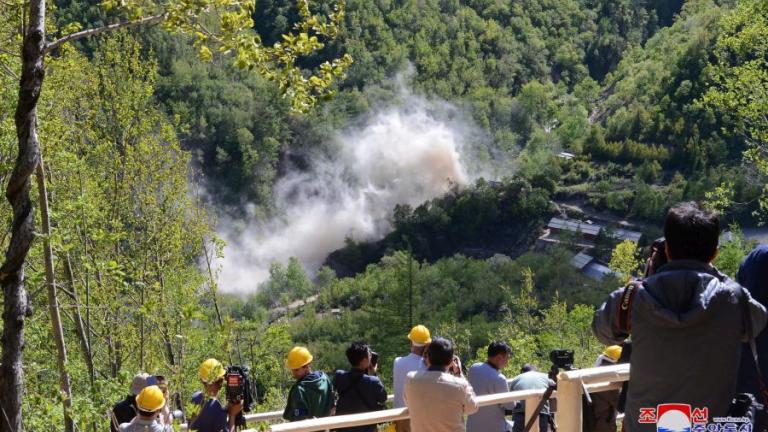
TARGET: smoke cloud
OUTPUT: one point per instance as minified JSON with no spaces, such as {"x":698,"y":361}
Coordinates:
{"x":404,"y":154}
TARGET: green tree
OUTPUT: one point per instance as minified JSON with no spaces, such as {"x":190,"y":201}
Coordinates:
{"x":740,"y":81}
{"x":624,"y":260}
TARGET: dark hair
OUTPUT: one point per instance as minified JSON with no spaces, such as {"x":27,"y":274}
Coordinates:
{"x":440,"y":352}
{"x":357,"y":352}
{"x":146,"y":413}
{"x":496,"y":348}
{"x":691,"y":233}
{"x":527,"y":368}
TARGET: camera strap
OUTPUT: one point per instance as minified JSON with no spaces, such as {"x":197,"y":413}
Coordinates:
{"x":752,"y":345}
{"x":624,"y":307}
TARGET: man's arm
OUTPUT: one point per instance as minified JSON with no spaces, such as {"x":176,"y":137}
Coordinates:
{"x":294,"y":405}
{"x":604,"y":322}
{"x":381,"y":395}
{"x":757,"y":314}
{"x":470,"y":400}
{"x":500,"y":386}
{"x":233,"y":409}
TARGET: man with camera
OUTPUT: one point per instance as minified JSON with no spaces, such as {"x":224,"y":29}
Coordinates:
{"x":212,"y":415}
{"x":357,"y":390}
{"x":312,"y":394}
{"x":531,"y":379}
{"x":687,"y":322}
{"x":486,"y":378}
{"x":438,"y":398}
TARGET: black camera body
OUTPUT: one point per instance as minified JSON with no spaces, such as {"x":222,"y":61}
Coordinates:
{"x":239,"y":389}
{"x":745,"y":405}
{"x":562,"y":359}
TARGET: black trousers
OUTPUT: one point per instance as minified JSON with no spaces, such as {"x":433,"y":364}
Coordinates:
{"x":519,"y":422}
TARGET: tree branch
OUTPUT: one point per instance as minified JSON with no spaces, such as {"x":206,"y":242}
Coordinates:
{"x":99,"y":30}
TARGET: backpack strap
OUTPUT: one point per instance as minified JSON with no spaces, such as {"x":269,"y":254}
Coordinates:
{"x":624,"y":307}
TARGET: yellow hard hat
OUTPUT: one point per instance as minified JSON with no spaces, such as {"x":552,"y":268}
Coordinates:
{"x":613,"y":353}
{"x":298,"y":358}
{"x":150,"y":399}
{"x":211,"y":371}
{"x":419,"y":335}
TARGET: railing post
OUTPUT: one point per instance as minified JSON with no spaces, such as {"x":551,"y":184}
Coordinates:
{"x":530,"y":411}
{"x":568,"y":405}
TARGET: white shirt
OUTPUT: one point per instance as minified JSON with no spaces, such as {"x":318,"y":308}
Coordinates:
{"x":403,"y":365}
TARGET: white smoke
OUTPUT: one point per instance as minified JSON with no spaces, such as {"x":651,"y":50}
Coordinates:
{"x":404,"y":154}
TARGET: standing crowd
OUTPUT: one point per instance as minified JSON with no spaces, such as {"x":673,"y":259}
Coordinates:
{"x":690,"y":334}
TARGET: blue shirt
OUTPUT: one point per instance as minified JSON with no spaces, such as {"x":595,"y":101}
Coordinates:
{"x":753,"y":275}
{"x":485,"y":379}
{"x":212,"y":417}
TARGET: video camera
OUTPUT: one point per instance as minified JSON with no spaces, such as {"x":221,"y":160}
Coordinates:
{"x":745,"y":405}
{"x":561,"y":359}
{"x":240,"y":389}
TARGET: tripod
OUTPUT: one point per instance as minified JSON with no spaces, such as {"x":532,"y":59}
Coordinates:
{"x":554,"y":371}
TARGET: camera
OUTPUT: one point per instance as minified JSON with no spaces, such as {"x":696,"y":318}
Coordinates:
{"x":745,"y":405}
{"x":239,"y":389}
{"x":562,"y":359}
{"x":657,"y":258}
{"x":374,"y":359}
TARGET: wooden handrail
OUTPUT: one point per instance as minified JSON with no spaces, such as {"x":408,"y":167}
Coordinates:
{"x":321,"y":424}
{"x":568,"y":393}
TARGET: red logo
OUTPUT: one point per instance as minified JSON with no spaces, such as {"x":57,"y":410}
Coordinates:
{"x":647,"y":415}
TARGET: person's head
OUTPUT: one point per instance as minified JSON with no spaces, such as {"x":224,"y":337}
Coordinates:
{"x":138,"y":383}
{"x":150,"y":401}
{"x":691,"y":233}
{"x":162,"y":383}
{"x":498,"y":354}
{"x":420,"y":338}
{"x":527,"y":368}
{"x":440,"y":353}
{"x":211,"y":374}
{"x":753,"y":273}
{"x":299,"y":362}
{"x":610,"y":356}
{"x":359,"y":355}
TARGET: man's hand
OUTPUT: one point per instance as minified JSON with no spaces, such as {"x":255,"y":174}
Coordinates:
{"x":233,"y":409}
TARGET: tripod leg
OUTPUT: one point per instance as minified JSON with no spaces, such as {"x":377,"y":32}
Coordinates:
{"x":544,"y":400}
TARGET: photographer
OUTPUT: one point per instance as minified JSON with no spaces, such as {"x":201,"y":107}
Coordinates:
{"x":686,"y":320}
{"x":358,"y":391}
{"x":213,"y":416}
{"x":753,"y":275}
{"x":530,"y":379}
{"x":438,"y":398}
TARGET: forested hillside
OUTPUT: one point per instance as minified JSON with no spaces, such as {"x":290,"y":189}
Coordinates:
{"x":160,"y":140}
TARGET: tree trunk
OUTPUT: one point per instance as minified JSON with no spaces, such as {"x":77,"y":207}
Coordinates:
{"x":81,"y":331}
{"x":53,"y":301}
{"x":15,"y":303}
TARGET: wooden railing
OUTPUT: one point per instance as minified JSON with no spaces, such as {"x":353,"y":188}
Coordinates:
{"x":569,"y":393}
